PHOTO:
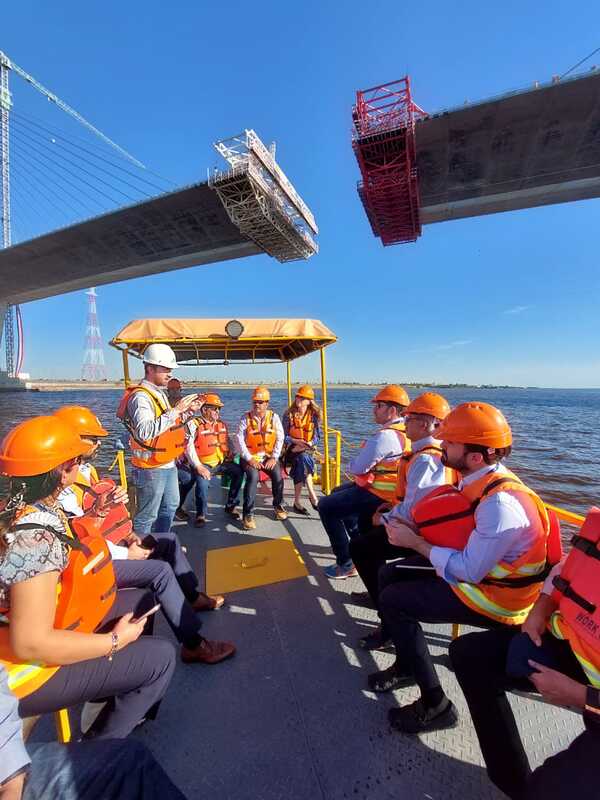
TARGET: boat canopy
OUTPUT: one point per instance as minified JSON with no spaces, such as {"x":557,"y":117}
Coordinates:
{"x":199,"y":342}
{"x":211,"y":342}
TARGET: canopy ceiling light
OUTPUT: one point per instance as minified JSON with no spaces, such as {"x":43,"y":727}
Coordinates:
{"x":234,"y":329}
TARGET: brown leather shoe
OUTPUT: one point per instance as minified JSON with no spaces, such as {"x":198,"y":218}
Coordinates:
{"x":249,"y":523}
{"x":231,"y":511}
{"x":200,"y":521}
{"x":181,"y":514}
{"x":207,"y":652}
{"x":280,"y":513}
{"x":206,"y":602}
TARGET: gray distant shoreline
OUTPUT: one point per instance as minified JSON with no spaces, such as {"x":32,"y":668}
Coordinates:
{"x":61,"y":386}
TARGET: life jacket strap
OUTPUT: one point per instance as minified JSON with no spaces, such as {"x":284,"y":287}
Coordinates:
{"x":586,"y":546}
{"x":449,"y":517}
{"x":521,"y":580}
{"x":564,"y":587}
{"x":73,"y":543}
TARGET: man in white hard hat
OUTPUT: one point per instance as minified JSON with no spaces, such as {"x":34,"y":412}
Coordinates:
{"x":158,"y":437}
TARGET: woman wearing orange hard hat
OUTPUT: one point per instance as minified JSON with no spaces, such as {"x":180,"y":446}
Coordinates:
{"x":55,"y":602}
{"x":207,"y":454}
{"x":350,"y":508}
{"x":493,"y":579}
{"x":301,"y":424}
{"x":259,"y":443}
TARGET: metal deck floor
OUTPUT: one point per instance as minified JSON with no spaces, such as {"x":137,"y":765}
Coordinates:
{"x":290,"y":717}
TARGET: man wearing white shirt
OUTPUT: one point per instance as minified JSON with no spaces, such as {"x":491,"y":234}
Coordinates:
{"x":259,"y":442}
{"x":352,"y":505}
{"x":492,"y":582}
{"x":420,"y":471}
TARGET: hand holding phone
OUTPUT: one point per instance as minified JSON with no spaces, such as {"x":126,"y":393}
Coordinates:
{"x":145,"y":616}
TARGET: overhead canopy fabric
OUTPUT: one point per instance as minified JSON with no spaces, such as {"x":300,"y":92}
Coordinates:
{"x":204,"y":341}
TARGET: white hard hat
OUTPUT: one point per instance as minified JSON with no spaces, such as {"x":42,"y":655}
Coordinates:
{"x":160,"y":355}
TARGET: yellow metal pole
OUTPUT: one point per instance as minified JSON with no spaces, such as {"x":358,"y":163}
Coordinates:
{"x":338,"y":458}
{"x":122,"y":471}
{"x":289,"y":382}
{"x":325,"y":478}
{"x":63,"y":725}
{"x":125,"y":354}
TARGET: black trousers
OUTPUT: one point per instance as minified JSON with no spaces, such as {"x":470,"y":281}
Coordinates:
{"x":251,"y":485}
{"x":479,"y":661}
{"x":369,"y":551}
{"x":135,"y":681}
{"x":405,"y":600}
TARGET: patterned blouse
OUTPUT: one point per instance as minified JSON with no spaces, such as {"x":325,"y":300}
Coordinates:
{"x":32,"y":552}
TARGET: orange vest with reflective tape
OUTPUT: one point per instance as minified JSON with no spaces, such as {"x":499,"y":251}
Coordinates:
{"x":85,"y":595}
{"x":405,"y":463}
{"x":163,"y":448}
{"x":508,"y":591}
{"x":260,"y":435}
{"x":577,"y":591}
{"x":381,"y":479}
{"x":116,"y":523}
{"x":211,"y":442}
{"x":302,"y":427}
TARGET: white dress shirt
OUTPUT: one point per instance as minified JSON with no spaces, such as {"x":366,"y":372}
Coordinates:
{"x":426,"y":472}
{"x":240,"y":437}
{"x":505,"y":528}
{"x":387,"y":444}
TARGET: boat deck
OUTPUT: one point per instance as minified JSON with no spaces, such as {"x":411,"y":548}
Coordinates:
{"x":290,"y":716}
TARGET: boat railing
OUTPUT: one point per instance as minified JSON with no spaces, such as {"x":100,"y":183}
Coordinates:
{"x":337,"y":472}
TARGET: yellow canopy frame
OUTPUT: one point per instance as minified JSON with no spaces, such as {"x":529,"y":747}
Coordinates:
{"x":210,"y":342}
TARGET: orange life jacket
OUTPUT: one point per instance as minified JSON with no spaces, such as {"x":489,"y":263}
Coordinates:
{"x":260,"y":435}
{"x":85,"y":595}
{"x":577,"y":591}
{"x":302,"y":427}
{"x":406,"y":462}
{"x":446,"y":517}
{"x":509,"y":590}
{"x":381,"y":479}
{"x":211,"y":442}
{"x":116,"y":525}
{"x":151,"y":453}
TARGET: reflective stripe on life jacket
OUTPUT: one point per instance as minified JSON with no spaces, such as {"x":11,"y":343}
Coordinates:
{"x":161,"y":449}
{"x":577,"y":591}
{"x":302,"y":427}
{"x":508,"y":591}
{"x":211,"y":442}
{"x":260,"y":435}
{"x":85,"y":594}
{"x":381,"y":479}
{"x":406,"y":462}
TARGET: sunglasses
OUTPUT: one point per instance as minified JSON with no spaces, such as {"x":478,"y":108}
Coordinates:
{"x":259,"y":402}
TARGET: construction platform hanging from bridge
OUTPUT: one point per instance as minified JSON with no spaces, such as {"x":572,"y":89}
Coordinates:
{"x":260,"y":200}
{"x":523,"y":149}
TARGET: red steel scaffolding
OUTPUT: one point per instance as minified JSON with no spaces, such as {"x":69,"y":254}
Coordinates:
{"x":383,"y":141}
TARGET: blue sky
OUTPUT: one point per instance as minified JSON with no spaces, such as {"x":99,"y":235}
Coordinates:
{"x":510,"y":298}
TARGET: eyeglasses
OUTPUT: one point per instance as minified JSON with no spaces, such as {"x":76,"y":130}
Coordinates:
{"x":259,"y":402}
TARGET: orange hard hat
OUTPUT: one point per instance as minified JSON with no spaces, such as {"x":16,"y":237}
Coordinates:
{"x":82,"y":420}
{"x":476,"y":423}
{"x":212,"y":400}
{"x":306,"y":391}
{"x":38,"y":445}
{"x":261,"y":393}
{"x":392,"y":394}
{"x":429,"y":403}
{"x":174,"y":383}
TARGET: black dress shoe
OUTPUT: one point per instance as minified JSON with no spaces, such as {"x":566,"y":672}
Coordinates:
{"x":389,"y":679}
{"x":300,"y":510}
{"x":415,"y":718}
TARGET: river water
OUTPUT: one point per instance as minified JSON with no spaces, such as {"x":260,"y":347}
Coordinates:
{"x":556,"y":431}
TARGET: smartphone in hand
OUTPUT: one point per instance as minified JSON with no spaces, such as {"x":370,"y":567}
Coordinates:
{"x":149,"y":613}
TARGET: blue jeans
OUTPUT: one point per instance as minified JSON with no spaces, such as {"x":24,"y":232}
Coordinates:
{"x":202,"y":485}
{"x":343,"y":513}
{"x":157,"y":493}
{"x":113,"y":769}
